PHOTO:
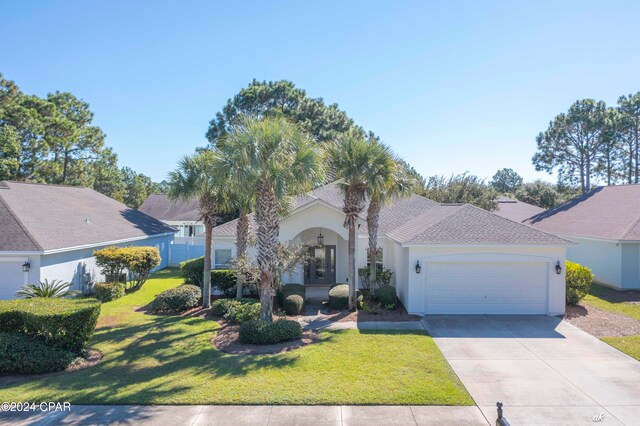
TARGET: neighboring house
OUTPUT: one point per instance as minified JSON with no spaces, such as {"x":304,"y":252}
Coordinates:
{"x":515,"y":210}
{"x":51,"y":231}
{"x":605,"y":223}
{"x":446,"y":259}
{"x":182,"y":215}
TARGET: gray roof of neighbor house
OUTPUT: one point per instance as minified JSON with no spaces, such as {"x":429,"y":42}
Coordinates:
{"x":417,"y":220}
{"x":161,"y":207}
{"x":38,"y":217}
{"x":516,"y":210}
{"x":607,"y":212}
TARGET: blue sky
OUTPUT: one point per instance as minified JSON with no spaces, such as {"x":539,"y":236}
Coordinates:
{"x":451,"y":86}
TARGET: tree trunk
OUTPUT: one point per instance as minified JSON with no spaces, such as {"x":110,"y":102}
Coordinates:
{"x":242,"y":233}
{"x":588,"y":176}
{"x":267,"y":218}
{"x":206,"y":281}
{"x":352,"y":266}
{"x":65,"y":166}
{"x":637,"y":153}
{"x":373,"y":219}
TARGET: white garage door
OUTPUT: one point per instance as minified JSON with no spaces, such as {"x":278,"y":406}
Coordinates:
{"x":486,"y":288}
{"x":11,"y":279}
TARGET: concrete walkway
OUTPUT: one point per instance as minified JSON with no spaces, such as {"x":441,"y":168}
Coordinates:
{"x":252,"y":415}
{"x":544,"y":370}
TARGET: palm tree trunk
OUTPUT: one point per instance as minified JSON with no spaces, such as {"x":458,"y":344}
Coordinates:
{"x":267,"y":218}
{"x":373,"y":218}
{"x":206,"y":281}
{"x":352,"y":266}
{"x":242,"y":233}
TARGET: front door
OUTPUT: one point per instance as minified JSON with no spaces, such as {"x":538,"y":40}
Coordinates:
{"x":321,"y":268}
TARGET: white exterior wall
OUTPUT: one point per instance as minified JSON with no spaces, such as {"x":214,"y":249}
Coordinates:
{"x":603,"y":257}
{"x":15,"y":278}
{"x":417,"y":282}
{"x":396,"y":258}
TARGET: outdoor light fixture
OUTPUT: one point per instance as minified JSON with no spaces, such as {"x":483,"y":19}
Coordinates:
{"x":558,"y":268}
{"x":26,"y":266}
{"x":418,"y":267}
{"x":320,"y":239}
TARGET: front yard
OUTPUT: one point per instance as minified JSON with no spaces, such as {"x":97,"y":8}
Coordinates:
{"x":151,"y":359}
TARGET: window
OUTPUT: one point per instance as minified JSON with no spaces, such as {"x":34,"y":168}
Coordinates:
{"x":379,"y":264}
{"x":221,"y":258}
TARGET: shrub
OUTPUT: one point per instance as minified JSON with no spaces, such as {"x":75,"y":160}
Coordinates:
{"x":293,"y":304}
{"x":289,"y":289}
{"x":578,"y":282}
{"x":106,"y":292}
{"x":30,"y":355}
{"x":193,"y":271}
{"x":220,"y":307}
{"x":139,"y":261}
{"x":339,"y":296}
{"x":224,"y":280}
{"x":240,"y":312}
{"x":387,"y":297}
{"x":177,"y":299}
{"x":45,"y":288}
{"x":265,"y":333}
{"x":64,"y":323}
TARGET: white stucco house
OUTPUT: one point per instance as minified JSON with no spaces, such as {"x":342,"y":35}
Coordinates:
{"x":446,"y":259}
{"x":51,"y":231}
{"x":605,"y":225}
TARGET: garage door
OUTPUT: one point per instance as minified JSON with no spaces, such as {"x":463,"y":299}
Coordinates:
{"x":486,"y":288}
{"x":11,"y":279}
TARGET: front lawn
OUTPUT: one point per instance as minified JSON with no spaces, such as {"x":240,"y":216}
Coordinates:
{"x":170,"y":360}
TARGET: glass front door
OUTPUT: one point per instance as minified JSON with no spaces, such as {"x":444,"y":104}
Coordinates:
{"x":321,"y":268}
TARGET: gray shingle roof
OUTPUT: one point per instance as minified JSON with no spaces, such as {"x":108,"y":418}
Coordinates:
{"x":417,"y":220}
{"x":161,"y":207}
{"x":608,"y":212}
{"x":516,"y":210}
{"x":47,"y":217}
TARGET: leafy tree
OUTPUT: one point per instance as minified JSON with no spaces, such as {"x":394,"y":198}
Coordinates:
{"x":196,"y":177}
{"x":462,"y":188}
{"x":107,"y":176}
{"x":506,"y":181}
{"x":9,"y":152}
{"x":276,"y":160}
{"x":539,"y":193}
{"x":572,"y":143}
{"x":281,"y":98}
{"x":609,"y":157}
{"x":629,"y":127}
{"x":137,"y":187}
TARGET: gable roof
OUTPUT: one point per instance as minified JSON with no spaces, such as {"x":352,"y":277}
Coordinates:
{"x":418,"y":220}
{"x":159,"y":206}
{"x":38,"y":217}
{"x":515,"y":210}
{"x":607,"y":212}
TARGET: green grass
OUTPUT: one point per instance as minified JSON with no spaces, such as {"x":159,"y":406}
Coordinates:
{"x":170,"y":360}
{"x":603,"y":298}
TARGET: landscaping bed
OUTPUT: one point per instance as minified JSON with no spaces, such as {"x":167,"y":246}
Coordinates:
{"x":601,"y":323}
{"x":227,"y":340}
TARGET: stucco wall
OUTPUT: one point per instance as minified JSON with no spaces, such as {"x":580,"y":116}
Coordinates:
{"x":14,"y":277}
{"x":604,"y":258}
{"x":630,"y":265}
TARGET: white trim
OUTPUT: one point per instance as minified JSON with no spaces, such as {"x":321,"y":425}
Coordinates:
{"x":13,"y":259}
{"x":607,"y":240}
{"x":486,"y":245}
{"x":18,"y":253}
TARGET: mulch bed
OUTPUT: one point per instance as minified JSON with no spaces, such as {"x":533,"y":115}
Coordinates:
{"x":93,"y":358}
{"x":601,"y":323}
{"x":397,"y":315}
{"x":227,"y":340}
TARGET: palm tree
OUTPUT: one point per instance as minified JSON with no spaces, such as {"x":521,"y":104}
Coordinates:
{"x":196,"y":177}
{"x":359,"y":166}
{"x":273,"y":159}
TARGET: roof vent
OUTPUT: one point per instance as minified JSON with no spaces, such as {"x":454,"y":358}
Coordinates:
{"x":86,"y":220}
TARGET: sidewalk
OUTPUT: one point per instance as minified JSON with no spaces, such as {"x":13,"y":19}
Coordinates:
{"x":252,"y":415}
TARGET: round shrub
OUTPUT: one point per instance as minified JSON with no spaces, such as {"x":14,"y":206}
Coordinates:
{"x":64,"y":323}
{"x":23,"y":354}
{"x":578,"y":282}
{"x":386,"y":295}
{"x":193,"y":271}
{"x":293,"y":304}
{"x":260,"y":332}
{"x":240,"y":312}
{"x":106,"y":292}
{"x":220,"y":307}
{"x":177,"y":299}
{"x":339,"y":297}
{"x":224,"y":280}
{"x":287,"y":289}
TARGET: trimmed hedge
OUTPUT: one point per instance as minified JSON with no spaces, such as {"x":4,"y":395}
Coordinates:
{"x":106,"y":292}
{"x":64,"y":323}
{"x":293,"y":289}
{"x":177,"y":299}
{"x":20,"y":354}
{"x":236,"y":310}
{"x":578,"y":282}
{"x":224,"y":280}
{"x":386,"y":295}
{"x":339,"y":296}
{"x":293,"y":304}
{"x":220,"y":307}
{"x":193,"y":273}
{"x":265,"y":333}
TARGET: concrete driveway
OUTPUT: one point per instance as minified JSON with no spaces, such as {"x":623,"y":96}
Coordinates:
{"x":543,"y":369}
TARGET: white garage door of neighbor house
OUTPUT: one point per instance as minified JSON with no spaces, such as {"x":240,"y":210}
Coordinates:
{"x":486,"y":288}
{"x":11,"y":279}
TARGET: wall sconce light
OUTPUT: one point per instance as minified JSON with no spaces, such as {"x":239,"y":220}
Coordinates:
{"x":558,"y":268}
{"x":26,"y":266}
{"x":418,"y":267}
{"x":320,"y":239}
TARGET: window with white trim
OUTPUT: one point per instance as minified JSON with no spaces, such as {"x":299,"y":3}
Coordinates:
{"x":379,"y":258}
{"x":222,"y":257}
